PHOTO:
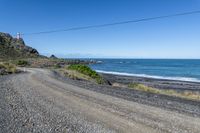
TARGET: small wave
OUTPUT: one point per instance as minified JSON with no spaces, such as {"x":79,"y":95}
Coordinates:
{"x":151,"y":76}
{"x":99,"y":62}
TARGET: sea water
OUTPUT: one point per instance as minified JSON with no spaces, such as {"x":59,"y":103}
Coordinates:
{"x":172,"y":69}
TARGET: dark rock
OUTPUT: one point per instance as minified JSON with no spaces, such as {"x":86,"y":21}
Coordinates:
{"x":3,"y":71}
{"x":31,"y":50}
{"x":53,"y":57}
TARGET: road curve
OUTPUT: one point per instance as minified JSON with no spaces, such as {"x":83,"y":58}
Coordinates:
{"x":36,"y":102}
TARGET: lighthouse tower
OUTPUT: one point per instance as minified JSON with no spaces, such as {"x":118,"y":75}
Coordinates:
{"x":18,"y":35}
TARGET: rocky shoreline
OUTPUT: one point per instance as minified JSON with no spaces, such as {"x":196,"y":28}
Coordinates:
{"x":156,"y":83}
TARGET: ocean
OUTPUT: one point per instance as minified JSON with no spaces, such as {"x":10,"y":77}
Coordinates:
{"x":172,"y":69}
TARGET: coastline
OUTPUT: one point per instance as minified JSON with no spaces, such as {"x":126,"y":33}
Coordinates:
{"x":185,"y":79}
{"x":153,"y":82}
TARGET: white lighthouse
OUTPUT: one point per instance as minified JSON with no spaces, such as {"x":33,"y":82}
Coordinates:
{"x":18,"y":35}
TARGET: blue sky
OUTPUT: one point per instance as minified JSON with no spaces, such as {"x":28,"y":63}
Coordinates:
{"x":166,"y":38}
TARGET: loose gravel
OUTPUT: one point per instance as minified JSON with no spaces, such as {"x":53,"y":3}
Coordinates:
{"x":41,"y":101}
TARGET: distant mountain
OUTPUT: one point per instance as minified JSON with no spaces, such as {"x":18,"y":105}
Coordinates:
{"x":12,"y":48}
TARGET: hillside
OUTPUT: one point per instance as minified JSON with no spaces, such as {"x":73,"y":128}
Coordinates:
{"x":13,"y":48}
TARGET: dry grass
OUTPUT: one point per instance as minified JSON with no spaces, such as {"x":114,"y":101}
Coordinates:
{"x":77,"y":75}
{"x":7,"y":68}
{"x":185,"y":94}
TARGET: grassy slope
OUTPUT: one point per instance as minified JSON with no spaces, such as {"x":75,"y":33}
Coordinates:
{"x":7,"y":52}
{"x":11,"y":48}
{"x":83,"y":72}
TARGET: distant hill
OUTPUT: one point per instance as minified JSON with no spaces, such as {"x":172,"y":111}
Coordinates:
{"x":53,"y":57}
{"x":13,"y":48}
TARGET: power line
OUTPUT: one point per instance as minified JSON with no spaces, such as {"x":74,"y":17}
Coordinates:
{"x":113,"y":24}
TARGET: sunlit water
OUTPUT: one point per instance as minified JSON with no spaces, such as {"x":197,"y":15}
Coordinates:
{"x":184,"y":70}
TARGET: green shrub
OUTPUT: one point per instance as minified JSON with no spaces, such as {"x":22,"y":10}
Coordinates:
{"x":56,"y":66}
{"x":22,"y":63}
{"x":87,"y":71}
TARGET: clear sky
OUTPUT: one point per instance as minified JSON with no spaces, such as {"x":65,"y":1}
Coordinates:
{"x":165,"y":38}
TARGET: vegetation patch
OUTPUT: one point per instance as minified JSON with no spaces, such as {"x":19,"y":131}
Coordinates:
{"x":22,"y":63}
{"x":86,"y":71}
{"x":44,"y":62}
{"x":77,"y":75}
{"x":7,"y":68}
{"x":185,"y":94}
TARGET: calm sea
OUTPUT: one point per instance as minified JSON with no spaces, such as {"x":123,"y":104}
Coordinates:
{"x":184,"y":70}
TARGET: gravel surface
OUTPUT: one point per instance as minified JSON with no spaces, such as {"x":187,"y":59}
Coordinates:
{"x":188,"y":107}
{"x":38,"y":102}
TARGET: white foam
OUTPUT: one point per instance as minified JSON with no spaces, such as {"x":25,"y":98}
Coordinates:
{"x":150,"y":76}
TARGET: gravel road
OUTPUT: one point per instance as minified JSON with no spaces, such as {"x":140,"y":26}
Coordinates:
{"x":37,"y":102}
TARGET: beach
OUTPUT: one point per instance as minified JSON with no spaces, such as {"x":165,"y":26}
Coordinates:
{"x":154,"y":82}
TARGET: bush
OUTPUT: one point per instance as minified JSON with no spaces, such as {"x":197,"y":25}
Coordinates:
{"x":56,"y":66}
{"x":87,"y":71}
{"x":7,"y":68}
{"x":11,"y":68}
{"x":22,"y":63}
